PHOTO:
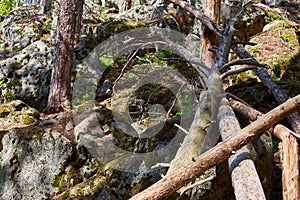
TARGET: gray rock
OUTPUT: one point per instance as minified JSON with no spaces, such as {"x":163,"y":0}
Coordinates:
{"x":29,"y":163}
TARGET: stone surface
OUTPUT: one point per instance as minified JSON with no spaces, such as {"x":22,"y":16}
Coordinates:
{"x":30,"y":161}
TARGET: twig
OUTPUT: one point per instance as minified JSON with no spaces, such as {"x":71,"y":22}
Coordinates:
{"x":246,"y":61}
{"x":196,"y":184}
{"x":237,"y":71}
{"x":174,"y":102}
{"x":181,"y":128}
{"x":124,"y":67}
{"x":160,"y":165}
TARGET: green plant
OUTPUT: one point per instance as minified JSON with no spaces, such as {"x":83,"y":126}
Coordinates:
{"x":17,"y":31}
{"x":282,"y":23}
{"x":107,"y":60}
{"x":16,"y":50}
{"x":255,"y":49}
{"x":271,"y":16}
{"x":163,"y":53}
{"x":47,"y":27}
{"x":88,"y":95}
{"x":284,"y":37}
{"x":7,"y":5}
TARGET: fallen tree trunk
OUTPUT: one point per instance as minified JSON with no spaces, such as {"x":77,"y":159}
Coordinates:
{"x":242,"y":169}
{"x":171,"y":183}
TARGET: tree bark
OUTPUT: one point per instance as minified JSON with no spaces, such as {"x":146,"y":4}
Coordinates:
{"x":289,"y":154}
{"x":210,"y":39}
{"x":171,"y":183}
{"x":60,"y":85}
{"x":79,"y":12}
{"x":47,"y":6}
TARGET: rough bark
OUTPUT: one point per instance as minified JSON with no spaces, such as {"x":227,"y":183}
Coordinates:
{"x":245,"y":110}
{"x":289,"y":154}
{"x":171,"y":183}
{"x":242,"y":169}
{"x":47,"y":6}
{"x":78,"y":19}
{"x":209,"y":39}
{"x":60,"y":85}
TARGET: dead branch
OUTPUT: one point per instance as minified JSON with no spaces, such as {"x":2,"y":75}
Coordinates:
{"x":196,"y":184}
{"x":245,"y":110}
{"x":171,"y":183}
{"x":237,"y":71}
{"x":243,"y":172}
{"x":246,"y":61}
{"x":294,"y":118}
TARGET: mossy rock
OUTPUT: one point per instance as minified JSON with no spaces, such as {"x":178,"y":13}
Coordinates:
{"x":278,"y":47}
{"x":17,"y":114}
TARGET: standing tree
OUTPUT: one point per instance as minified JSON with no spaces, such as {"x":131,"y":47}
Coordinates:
{"x":60,"y":85}
{"x":211,"y":8}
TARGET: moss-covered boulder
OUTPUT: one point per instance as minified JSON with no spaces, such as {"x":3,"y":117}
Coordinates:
{"x":17,"y":114}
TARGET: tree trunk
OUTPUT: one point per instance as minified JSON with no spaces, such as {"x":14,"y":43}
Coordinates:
{"x":79,"y":12}
{"x":60,"y":85}
{"x":47,"y":6}
{"x":212,"y":9}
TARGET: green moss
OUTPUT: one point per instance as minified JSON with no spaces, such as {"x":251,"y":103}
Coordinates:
{"x":272,"y":16}
{"x":28,"y":119}
{"x":14,"y":83}
{"x":7,"y":97}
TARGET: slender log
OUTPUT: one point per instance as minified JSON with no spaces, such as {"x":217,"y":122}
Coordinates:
{"x":245,"y":110}
{"x":289,"y":154}
{"x":242,"y":169}
{"x":171,"y":183}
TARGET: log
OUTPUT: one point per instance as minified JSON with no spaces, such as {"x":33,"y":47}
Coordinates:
{"x":242,"y":169}
{"x":171,"y":183}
